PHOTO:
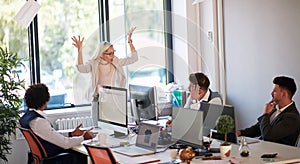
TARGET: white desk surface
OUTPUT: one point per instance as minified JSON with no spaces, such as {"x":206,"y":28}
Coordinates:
{"x":285,"y":153}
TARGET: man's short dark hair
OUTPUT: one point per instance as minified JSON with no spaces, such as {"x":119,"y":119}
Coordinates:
{"x":286,"y":83}
{"x":200,"y":79}
{"x":36,"y":95}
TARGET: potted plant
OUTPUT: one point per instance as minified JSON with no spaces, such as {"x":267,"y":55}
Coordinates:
{"x":10,"y":101}
{"x":224,"y":125}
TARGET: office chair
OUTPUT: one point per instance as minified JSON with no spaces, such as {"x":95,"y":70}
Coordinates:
{"x":100,"y":155}
{"x":39,"y":154}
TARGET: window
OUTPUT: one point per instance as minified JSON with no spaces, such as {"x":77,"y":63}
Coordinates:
{"x":54,"y":57}
{"x":14,"y":37}
{"x":149,"y":38}
{"x":58,"y":21}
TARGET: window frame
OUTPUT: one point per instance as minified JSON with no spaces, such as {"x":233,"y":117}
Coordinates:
{"x":103,"y":10}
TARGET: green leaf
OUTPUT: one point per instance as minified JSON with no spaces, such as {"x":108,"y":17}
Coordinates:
{"x":10,"y":85}
{"x":224,"y":125}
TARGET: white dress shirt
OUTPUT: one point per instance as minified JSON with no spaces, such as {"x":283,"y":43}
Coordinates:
{"x":196,"y":104}
{"x":278,"y":111}
{"x":42,"y":127}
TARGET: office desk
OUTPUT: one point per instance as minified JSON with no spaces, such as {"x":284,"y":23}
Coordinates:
{"x":256,"y":150}
{"x":163,"y":156}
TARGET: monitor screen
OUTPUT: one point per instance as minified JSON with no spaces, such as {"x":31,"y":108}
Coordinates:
{"x":145,"y":100}
{"x":112,"y":113}
{"x":187,"y":126}
{"x":211,"y":114}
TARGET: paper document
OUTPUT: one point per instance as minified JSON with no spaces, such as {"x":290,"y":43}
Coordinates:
{"x":27,"y":13}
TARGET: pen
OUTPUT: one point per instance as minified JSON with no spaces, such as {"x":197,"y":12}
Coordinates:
{"x":152,"y":161}
{"x":212,"y":158}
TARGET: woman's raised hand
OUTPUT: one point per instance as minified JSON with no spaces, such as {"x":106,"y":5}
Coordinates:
{"x":77,"y":42}
{"x":130,"y":34}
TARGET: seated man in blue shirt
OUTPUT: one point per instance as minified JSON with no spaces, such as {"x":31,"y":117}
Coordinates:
{"x":36,"y":98}
{"x":280,"y":121}
{"x":200,"y":92}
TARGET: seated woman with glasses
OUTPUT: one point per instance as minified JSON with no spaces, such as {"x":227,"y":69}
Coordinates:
{"x":105,"y":67}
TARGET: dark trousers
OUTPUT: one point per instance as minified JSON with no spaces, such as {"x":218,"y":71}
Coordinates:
{"x":74,"y":158}
{"x":80,"y":158}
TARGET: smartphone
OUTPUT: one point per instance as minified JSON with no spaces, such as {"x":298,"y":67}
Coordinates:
{"x":268,"y":155}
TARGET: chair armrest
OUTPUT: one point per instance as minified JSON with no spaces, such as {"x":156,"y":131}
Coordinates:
{"x":65,"y":157}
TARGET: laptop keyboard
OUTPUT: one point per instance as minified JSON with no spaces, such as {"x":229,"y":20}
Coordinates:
{"x":135,"y":149}
{"x":132,"y":150}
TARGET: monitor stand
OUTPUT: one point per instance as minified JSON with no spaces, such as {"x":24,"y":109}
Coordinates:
{"x":119,"y":134}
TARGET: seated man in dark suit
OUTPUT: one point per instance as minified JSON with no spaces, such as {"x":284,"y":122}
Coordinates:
{"x":280,"y":121}
{"x":36,"y":99}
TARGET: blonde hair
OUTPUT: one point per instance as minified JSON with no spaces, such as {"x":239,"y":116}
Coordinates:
{"x":103,"y":46}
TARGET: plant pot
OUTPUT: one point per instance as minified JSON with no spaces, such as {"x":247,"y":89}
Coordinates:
{"x":225,"y":150}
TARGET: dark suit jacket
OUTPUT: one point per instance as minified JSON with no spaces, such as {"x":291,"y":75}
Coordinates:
{"x":284,"y":129}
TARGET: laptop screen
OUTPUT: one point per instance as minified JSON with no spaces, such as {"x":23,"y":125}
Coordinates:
{"x":211,"y":113}
{"x":187,"y":126}
{"x":148,"y":136}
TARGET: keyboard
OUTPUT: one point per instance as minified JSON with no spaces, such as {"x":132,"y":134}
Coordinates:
{"x":132,"y":150}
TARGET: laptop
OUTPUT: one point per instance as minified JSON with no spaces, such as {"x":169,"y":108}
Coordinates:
{"x":146,"y":141}
{"x":211,"y":113}
{"x":248,"y":140}
{"x":233,"y":138}
{"x":187,"y":126}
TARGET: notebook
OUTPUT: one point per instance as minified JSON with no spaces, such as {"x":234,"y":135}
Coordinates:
{"x":146,"y":141}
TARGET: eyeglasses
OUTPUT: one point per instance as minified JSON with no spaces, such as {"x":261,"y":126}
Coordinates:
{"x":110,"y":54}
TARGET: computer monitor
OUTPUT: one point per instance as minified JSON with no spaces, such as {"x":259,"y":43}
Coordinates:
{"x":187,"y":126}
{"x":211,"y":113}
{"x":112,"y":113}
{"x":144,"y":102}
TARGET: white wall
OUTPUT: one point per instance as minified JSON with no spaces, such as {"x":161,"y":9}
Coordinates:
{"x":193,"y":50}
{"x":19,"y":152}
{"x":261,"y":41}
{"x":208,"y":48}
{"x":186,"y":46}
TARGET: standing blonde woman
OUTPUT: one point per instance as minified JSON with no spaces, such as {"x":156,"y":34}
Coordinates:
{"x":105,"y":67}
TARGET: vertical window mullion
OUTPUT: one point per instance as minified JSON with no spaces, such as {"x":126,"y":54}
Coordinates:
{"x":34,"y":51}
{"x":104,"y":20}
{"x":101,"y":19}
{"x":31,"y":53}
{"x":169,"y":41}
{"x":107,"y":21}
{"x":36,"y":48}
